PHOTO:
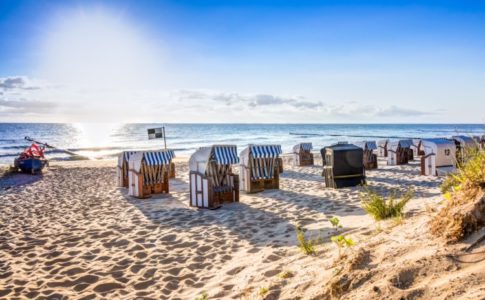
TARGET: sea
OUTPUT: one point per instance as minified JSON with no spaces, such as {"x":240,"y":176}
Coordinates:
{"x":107,"y":140}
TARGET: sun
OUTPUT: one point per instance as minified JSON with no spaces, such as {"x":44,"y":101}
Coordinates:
{"x":98,"y":48}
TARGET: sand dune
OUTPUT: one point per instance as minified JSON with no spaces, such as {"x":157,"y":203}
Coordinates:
{"x":72,"y":233}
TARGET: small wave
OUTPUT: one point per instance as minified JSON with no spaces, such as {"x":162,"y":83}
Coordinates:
{"x":9,"y":155}
{"x":12,"y":147}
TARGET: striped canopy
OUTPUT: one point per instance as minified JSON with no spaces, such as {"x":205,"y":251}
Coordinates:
{"x":171,"y":153}
{"x":226,"y":155}
{"x":265,"y":151}
{"x":127,"y":154}
{"x":154,"y":158}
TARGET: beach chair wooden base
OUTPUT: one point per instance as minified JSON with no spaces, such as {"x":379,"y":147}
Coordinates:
{"x":160,"y":188}
{"x":203,"y":195}
{"x":260,"y":185}
{"x":370,"y":161}
{"x":140,"y":190}
{"x":303,"y":159}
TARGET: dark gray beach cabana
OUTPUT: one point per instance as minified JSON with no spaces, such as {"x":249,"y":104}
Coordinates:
{"x":344,"y":165}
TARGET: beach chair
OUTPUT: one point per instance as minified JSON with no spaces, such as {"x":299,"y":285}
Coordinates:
{"x":259,"y":168}
{"x":302,"y":155}
{"x":212,"y":182}
{"x":382,"y":148}
{"x":122,"y":167}
{"x":370,"y":158}
{"x":344,"y":166}
{"x":399,"y":152}
{"x":464,"y":144}
{"x":439,"y":157}
{"x":149,"y":173}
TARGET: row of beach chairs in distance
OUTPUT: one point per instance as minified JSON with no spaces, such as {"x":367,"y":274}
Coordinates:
{"x":213,"y":183}
{"x":438,"y":156}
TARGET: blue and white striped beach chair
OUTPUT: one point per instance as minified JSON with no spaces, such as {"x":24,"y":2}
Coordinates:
{"x":259,"y":169}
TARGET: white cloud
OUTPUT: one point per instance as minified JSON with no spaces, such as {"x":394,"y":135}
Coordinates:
{"x":63,"y":103}
{"x":17,"y":82}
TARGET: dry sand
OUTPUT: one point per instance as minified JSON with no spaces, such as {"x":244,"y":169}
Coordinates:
{"x":72,"y":233}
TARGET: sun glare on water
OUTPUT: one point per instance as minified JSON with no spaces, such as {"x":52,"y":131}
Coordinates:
{"x":96,"y":139}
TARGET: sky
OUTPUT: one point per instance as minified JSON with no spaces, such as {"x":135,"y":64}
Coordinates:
{"x":242,"y":61}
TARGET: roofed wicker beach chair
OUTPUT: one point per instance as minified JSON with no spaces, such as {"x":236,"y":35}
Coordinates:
{"x":439,"y":157}
{"x":463,"y":144}
{"x":399,"y":152}
{"x":149,"y":173}
{"x":344,"y":166}
{"x":122,"y":167}
{"x":212,"y":181}
{"x":259,"y":169}
{"x":302,"y":155}
{"x":382,"y":148}
{"x":370,"y":158}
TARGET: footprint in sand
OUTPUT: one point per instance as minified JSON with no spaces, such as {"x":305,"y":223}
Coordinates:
{"x":108,"y":287}
{"x":271,"y":258}
{"x":144,"y":284}
{"x":235,"y":271}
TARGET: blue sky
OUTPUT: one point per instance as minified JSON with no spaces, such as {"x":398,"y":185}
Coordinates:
{"x":243,"y":61}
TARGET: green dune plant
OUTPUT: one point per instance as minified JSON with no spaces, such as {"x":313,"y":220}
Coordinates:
{"x":202,"y":296}
{"x":335,"y":223}
{"x":307,"y":246}
{"x":285,"y":274}
{"x":380,"y":207}
{"x":342,"y":241}
{"x":263,"y":291}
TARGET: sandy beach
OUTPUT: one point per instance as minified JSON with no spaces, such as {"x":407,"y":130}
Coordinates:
{"x":71,"y":233}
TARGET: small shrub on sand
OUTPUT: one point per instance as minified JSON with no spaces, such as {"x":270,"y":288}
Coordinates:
{"x":263,"y":291}
{"x":307,"y":246}
{"x":381,"y":208}
{"x":335,"y":223}
{"x":202,"y":296}
{"x":342,"y":241}
{"x":470,"y":174}
{"x":464,"y":211}
{"x":285,"y":274}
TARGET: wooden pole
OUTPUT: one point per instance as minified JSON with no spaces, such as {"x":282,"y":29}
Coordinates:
{"x":52,"y":147}
{"x":164,"y":138}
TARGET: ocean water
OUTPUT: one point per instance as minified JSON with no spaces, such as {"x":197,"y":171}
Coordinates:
{"x":99,"y":141}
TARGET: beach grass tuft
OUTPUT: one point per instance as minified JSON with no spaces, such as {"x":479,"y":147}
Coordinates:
{"x":202,"y":296}
{"x":464,"y":192}
{"x":381,"y":208}
{"x":307,"y":246}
